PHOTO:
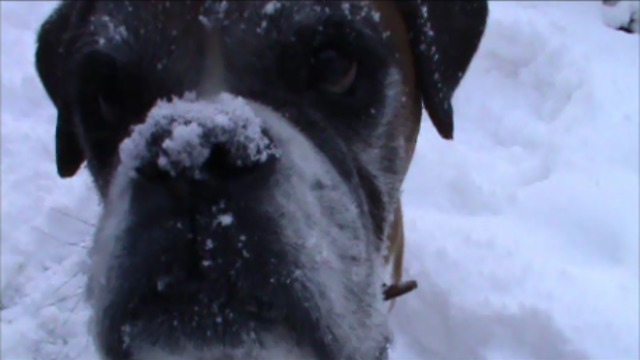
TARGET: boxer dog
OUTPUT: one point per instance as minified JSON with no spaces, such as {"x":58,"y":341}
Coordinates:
{"x":249,"y":157}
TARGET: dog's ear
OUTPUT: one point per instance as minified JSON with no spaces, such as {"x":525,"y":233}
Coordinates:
{"x":50,"y":58}
{"x":444,"y":37}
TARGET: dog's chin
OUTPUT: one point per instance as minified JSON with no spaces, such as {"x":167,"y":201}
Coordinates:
{"x":217,"y":279}
{"x":276,"y":344}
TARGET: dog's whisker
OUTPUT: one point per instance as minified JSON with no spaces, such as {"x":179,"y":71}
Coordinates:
{"x":66,"y":282}
{"x":73,"y":310}
{"x":64,"y":298}
{"x":53,"y":237}
{"x":64,"y":323}
{"x":82,"y":221}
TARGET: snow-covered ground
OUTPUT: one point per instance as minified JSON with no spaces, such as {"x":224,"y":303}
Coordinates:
{"x":523,"y":232}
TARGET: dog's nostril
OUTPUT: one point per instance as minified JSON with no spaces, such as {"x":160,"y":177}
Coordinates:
{"x":222,"y":162}
{"x":232,"y":160}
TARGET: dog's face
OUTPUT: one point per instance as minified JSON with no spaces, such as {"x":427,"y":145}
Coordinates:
{"x":249,"y":156}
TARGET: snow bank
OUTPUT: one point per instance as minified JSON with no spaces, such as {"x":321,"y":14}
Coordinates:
{"x":524,"y":230}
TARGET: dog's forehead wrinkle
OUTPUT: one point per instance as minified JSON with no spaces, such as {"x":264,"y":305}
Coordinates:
{"x":304,"y":13}
{"x":159,"y":27}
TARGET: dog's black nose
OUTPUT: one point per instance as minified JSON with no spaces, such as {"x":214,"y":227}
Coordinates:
{"x":222,"y":139}
{"x":225,"y":161}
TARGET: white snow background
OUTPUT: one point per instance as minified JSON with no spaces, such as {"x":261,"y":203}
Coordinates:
{"x":522,"y":233}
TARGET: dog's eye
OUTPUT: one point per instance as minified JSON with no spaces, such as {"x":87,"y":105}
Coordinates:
{"x":333,"y":72}
{"x":102,"y":76}
{"x":110,"y":102}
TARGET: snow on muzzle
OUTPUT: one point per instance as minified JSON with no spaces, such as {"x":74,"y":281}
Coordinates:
{"x":187,"y":137}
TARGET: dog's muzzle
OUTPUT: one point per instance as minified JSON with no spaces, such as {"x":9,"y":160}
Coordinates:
{"x":220,"y":231}
{"x":186,"y":259}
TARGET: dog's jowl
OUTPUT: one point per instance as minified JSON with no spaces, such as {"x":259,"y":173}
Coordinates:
{"x":249,"y":156}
